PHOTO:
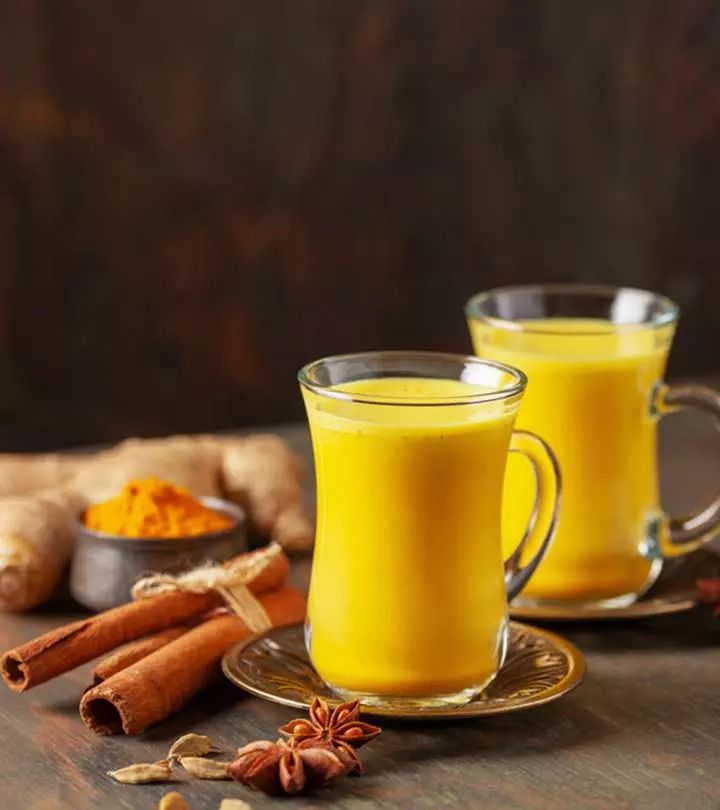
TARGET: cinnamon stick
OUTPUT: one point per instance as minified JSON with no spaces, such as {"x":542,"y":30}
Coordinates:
{"x":67,"y":647}
{"x":133,"y":652}
{"x":148,"y":691}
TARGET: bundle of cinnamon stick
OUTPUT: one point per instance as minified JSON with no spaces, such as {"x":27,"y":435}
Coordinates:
{"x":174,"y":644}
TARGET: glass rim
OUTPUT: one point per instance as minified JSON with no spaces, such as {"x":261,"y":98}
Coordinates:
{"x":669,"y":315}
{"x":517,"y":387}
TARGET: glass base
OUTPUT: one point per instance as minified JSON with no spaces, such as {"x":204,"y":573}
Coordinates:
{"x":401,"y":702}
{"x":611,"y":603}
{"x":398,"y":702}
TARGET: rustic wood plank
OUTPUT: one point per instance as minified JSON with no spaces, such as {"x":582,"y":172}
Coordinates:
{"x":640,"y":732}
{"x":196,"y":198}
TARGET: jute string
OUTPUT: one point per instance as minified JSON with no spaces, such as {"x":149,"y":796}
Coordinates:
{"x":230,"y":581}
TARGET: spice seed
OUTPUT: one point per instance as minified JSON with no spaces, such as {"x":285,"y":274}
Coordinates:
{"x":143,"y":773}
{"x":173,"y":801}
{"x":190,"y":745}
{"x":202,"y":768}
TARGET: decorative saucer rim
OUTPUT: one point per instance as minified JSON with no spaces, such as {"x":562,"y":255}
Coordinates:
{"x":576,"y":668}
{"x":642,"y":609}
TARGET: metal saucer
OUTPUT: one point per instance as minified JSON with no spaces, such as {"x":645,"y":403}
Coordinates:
{"x":674,"y":592}
{"x":643,"y":608}
{"x":540,"y":667}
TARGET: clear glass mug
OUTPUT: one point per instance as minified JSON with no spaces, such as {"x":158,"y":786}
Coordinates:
{"x":595,"y":359}
{"x":408,"y":593}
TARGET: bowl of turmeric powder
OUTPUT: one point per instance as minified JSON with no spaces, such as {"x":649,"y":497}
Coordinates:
{"x":150,"y":526}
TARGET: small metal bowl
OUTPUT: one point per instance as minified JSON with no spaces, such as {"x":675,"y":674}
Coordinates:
{"x":105,"y":566}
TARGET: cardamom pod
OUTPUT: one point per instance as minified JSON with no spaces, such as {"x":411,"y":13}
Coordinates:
{"x":190,"y":745}
{"x":234,"y":804}
{"x":143,"y":773}
{"x":173,"y":801}
{"x":202,"y":768}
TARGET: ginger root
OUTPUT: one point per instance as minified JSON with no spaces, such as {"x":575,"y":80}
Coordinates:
{"x":22,"y":474}
{"x":274,"y":502}
{"x":46,"y":494}
{"x":188,"y":461}
{"x":37,"y":535}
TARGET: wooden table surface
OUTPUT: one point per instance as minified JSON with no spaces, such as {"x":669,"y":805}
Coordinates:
{"x":642,"y":730}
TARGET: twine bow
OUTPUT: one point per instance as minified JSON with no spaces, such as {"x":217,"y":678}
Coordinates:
{"x":229,"y":580}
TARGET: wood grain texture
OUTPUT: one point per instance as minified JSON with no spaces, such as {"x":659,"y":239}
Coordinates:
{"x":196,"y":198}
{"x":640,"y":732}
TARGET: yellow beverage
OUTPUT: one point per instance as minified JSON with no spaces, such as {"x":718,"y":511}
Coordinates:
{"x":590,"y":396}
{"x":407,"y":595}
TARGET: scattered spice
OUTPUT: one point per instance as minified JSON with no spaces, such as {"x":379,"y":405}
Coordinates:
{"x":150,"y":507}
{"x":279,"y":767}
{"x":173,"y":801}
{"x":143,"y":773}
{"x":339,"y":727}
{"x":709,"y":592}
{"x":234,"y":804}
{"x":190,"y":745}
{"x":319,"y":749}
{"x":202,"y":768}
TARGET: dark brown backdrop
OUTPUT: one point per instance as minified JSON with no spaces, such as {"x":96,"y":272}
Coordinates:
{"x":196,"y":197}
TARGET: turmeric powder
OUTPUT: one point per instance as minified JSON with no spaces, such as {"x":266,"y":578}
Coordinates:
{"x":150,"y":507}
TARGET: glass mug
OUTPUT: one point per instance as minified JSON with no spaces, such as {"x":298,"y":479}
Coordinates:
{"x":595,"y":359}
{"x":408,"y":592}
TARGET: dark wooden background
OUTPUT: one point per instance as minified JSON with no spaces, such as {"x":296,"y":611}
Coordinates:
{"x":197,"y":197}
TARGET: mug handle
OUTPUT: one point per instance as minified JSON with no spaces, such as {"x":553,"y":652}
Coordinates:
{"x":548,"y":491}
{"x":681,"y":535}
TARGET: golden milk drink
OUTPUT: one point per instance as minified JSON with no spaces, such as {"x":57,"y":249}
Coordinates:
{"x":590,"y":396}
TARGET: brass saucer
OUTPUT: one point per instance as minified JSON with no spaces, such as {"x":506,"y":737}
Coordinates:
{"x":674,"y":592}
{"x":643,"y":608}
{"x":540,"y":667}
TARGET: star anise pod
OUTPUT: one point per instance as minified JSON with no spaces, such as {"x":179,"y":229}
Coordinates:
{"x":709,"y":592}
{"x":279,"y":767}
{"x":339,"y":727}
